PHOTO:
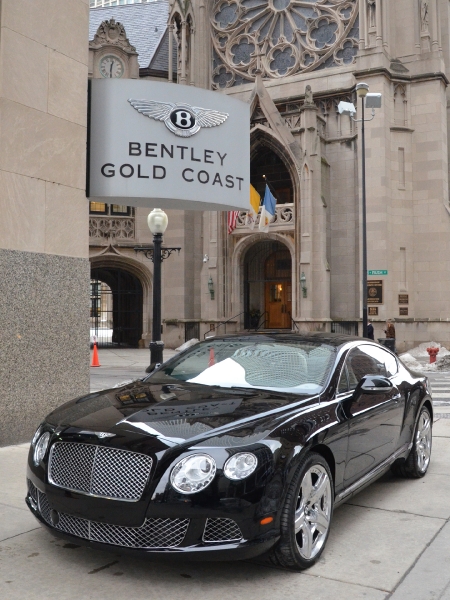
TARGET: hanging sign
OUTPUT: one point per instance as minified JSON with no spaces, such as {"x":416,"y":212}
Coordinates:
{"x":165,"y":145}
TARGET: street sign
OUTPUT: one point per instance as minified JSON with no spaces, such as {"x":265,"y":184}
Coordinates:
{"x":377,"y":272}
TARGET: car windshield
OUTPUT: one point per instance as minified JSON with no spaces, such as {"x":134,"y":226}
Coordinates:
{"x":296,"y":367}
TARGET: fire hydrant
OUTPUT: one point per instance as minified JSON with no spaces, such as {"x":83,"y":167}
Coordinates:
{"x":432,"y":352}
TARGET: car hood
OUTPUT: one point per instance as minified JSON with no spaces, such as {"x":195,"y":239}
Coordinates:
{"x":179,"y":413}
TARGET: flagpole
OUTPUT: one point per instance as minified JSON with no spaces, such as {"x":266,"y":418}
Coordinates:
{"x":269,"y":185}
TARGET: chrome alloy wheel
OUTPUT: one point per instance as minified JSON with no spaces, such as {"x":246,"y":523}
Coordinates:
{"x":423,"y":441}
{"x":313,"y":512}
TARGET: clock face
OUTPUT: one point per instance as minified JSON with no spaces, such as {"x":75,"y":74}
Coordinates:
{"x":111,"y":66}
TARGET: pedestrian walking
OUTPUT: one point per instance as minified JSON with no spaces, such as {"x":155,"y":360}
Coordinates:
{"x":370,"y":331}
{"x":390,"y":335}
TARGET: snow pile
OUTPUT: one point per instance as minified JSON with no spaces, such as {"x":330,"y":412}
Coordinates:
{"x":420,"y":351}
{"x":408,"y":359}
{"x":418,"y":358}
{"x":443,"y":364}
{"x":187,"y":345}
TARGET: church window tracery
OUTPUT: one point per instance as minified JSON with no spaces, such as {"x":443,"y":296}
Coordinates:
{"x":281,"y":37}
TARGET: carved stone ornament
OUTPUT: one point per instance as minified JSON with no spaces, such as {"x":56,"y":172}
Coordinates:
{"x":281,"y":37}
{"x":111,"y":33}
{"x":309,"y":100}
{"x":424,"y":16}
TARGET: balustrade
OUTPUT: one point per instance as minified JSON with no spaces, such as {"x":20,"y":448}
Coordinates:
{"x":283,"y":220}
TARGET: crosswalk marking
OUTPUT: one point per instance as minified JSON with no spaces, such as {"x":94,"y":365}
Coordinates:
{"x":440,"y":387}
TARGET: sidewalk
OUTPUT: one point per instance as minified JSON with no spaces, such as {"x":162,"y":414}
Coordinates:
{"x":390,"y":542}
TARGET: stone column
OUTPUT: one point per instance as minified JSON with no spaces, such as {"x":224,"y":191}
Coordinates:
{"x":386,"y":23}
{"x":183,"y":53}
{"x":362,"y":25}
{"x":313,"y":261}
{"x":191,"y":55}
{"x":435,"y":26}
{"x":379,"y":36}
{"x":170,"y":67}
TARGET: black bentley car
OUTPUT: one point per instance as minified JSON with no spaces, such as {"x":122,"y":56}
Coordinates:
{"x":239,"y":446}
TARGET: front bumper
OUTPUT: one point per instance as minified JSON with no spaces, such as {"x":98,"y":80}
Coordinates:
{"x":202,"y":538}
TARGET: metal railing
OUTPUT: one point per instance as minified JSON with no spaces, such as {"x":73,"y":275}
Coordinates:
{"x":293,"y":322}
{"x":216,"y":327}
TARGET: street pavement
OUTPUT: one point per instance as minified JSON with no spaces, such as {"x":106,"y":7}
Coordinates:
{"x":119,"y":365}
{"x":390,"y":542}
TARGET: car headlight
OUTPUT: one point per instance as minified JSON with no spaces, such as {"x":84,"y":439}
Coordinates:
{"x":193,"y":473}
{"x":240,"y":465}
{"x":41,"y":448}
{"x":36,"y":435}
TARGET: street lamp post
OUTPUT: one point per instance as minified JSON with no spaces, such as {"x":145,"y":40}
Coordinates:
{"x":372,"y":101}
{"x":157,"y":223}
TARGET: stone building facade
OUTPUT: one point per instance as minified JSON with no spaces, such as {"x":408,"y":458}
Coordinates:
{"x":44,"y":262}
{"x":294,"y":61}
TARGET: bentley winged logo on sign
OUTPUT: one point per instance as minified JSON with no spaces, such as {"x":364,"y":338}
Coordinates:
{"x":181,"y":119}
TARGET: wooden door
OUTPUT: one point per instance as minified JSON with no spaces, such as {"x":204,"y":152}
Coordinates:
{"x":278,"y":300}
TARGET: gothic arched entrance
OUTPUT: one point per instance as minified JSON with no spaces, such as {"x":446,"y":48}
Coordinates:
{"x":268,"y":286}
{"x":116,"y":307}
{"x":266,"y":167}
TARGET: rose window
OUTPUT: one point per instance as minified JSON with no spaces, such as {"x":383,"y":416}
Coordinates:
{"x":281,"y":37}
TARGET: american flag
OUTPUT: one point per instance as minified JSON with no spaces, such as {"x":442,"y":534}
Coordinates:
{"x":232,"y":219}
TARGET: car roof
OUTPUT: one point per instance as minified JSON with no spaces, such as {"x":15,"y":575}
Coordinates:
{"x":333,"y":339}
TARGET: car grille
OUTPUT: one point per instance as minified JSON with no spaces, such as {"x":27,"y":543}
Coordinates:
{"x":99,"y":471}
{"x":221,"y":530}
{"x":154,"y":533}
{"x":32,"y":491}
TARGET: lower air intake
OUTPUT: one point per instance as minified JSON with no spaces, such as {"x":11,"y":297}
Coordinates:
{"x":221,"y":530}
{"x":154,"y":533}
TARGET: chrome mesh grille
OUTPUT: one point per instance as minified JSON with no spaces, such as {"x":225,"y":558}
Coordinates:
{"x":154,"y":533}
{"x":221,"y":530}
{"x":44,"y":506}
{"x":99,"y":471}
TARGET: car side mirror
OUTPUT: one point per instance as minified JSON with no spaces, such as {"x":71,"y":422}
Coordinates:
{"x":372,"y":384}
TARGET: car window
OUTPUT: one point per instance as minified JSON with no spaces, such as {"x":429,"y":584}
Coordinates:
{"x":362,"y":361}
{"x":291,"y":366}
{"x":384,"y":357}
{"x":343,"y":381}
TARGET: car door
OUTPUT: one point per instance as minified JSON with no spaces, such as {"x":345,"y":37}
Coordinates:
{"x":375,"y":418}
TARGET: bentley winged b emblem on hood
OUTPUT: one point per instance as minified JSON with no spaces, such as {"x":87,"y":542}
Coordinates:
{"x":181,"y":119}
{"x":99,"y":434}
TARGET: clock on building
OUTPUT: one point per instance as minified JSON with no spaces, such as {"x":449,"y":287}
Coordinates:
{"x":111,"y":66}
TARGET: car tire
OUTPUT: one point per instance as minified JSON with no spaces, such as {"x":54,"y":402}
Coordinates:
{"x":416,"y":464}
{"x":306,"y":515}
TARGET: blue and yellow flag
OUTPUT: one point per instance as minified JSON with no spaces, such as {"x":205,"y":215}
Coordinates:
{"x":267,"y":211}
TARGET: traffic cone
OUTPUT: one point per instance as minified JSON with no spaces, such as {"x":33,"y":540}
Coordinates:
{"x":95,"y":362}
{"x":212,"y":360}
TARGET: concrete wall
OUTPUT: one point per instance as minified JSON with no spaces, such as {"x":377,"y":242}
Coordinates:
{"x":43,"y":228}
